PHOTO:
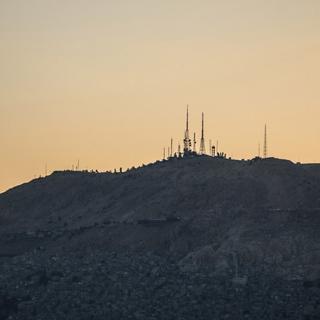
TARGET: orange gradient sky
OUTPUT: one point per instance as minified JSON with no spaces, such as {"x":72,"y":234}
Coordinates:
{"x":107,"y":82}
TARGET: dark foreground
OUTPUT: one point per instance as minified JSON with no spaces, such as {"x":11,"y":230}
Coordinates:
{"x":127,"y":286}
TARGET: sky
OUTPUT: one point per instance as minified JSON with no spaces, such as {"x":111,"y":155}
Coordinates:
{"x":107,"y":82}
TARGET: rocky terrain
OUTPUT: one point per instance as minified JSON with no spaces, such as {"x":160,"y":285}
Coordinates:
{"x":193,"y":238}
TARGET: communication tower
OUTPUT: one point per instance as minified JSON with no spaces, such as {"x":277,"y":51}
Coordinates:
{"x":265,"y":148}
{"x":186,"y":140}
{"x":202,"y":142}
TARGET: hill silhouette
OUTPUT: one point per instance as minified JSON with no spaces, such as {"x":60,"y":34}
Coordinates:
{"x":242,"y":221}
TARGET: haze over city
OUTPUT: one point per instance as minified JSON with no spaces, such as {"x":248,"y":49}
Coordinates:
{"x":108,"y":82}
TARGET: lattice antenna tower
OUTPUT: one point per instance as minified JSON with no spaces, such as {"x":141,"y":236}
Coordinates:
{"x":186,"y":140}
{"x":265,"y":147}
{"x":202,"y":142}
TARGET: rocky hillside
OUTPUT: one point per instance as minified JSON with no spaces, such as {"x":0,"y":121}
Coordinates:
{"x":224,"y":230}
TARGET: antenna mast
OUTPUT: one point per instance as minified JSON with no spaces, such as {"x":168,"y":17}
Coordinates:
{"x":202,"y":143}
{"x":265,"y":149}
{"x":187,"y":141}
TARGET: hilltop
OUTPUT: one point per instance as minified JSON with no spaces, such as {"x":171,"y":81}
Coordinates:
{"x":248,"y":222}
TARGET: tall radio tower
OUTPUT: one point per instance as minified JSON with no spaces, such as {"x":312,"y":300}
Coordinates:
{"x":265,"y":148}
{"x":202,"y":143}
{"x":187,"y":141}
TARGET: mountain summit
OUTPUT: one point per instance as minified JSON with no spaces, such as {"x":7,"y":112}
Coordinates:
{"x":226,"y":219}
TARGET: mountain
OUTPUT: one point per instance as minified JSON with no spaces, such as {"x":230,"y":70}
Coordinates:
{"x":244,"y":222}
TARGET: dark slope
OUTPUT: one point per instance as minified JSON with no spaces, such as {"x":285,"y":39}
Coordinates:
{"x":237,"y":231}
{"x":219,"y":203}
{"x":178,"y":187}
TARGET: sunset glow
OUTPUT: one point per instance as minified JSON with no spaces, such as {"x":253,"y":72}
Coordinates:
{"x":107,"y":82}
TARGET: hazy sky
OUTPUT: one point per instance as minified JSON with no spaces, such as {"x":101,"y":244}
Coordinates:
{"x":107,"y":82}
